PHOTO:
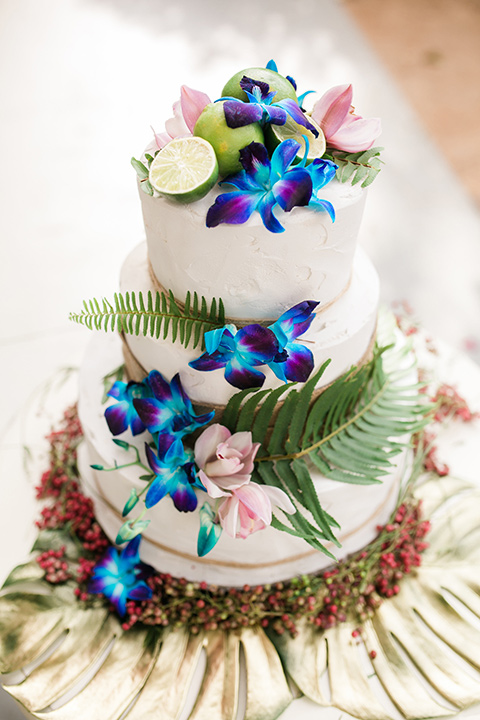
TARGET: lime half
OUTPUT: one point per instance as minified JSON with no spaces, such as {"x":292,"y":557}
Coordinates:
{"x":275,"y":134}
{"x":186,"y":169}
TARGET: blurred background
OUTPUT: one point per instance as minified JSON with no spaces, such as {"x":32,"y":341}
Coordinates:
{"x":82,"y":81}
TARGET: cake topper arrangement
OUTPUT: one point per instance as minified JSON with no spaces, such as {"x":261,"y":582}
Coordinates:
{"x":258,"y":138}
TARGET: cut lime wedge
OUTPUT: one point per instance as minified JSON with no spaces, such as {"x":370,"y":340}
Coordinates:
{"x":275,"y":134}
{"x":186,"y":169}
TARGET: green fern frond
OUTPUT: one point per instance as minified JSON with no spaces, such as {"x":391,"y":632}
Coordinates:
{"x":136,"y":314}
{"x":360,"y":167}
{"x":351,"y":433}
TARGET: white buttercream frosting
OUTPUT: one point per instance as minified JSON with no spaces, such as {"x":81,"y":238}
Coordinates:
{"x":341,"y":333}
{"x":257,"y":273}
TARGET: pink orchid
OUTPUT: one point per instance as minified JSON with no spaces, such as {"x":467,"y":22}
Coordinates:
{"x":226,"y":464}
{"x":186,"y":112}
{"x":343,"y":129}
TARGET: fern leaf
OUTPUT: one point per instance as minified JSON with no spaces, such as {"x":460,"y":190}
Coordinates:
{"x":263,"y":417}
{"x":297,"y":424}
{"x":230,"y":414}
{"x":282,"y":425}
{"x":247,"y":412}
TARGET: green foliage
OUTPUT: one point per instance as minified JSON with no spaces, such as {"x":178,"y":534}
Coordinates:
{"x":350,"y":433}
{"x":357,"y":167}
{"x":143,"y":172}
{"x":157,"y":314}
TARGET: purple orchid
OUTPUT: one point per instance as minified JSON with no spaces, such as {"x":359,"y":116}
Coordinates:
{"x":238,"y":352}
{"x":123,"y":415}
{"x":261,"y":108}
{"x":298,"y":362}
{"x":122,"y":576}
{"x":170,"y":410}
{"x":262,"y":185}
{"x":174,"y":474}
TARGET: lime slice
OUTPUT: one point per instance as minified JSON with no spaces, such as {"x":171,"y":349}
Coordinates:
{"x":186,"y":169}
{"x":275,"y":134}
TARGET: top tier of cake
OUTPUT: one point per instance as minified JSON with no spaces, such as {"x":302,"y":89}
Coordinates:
{"x":258,"y":274}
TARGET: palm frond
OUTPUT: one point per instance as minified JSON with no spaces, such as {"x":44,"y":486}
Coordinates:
{"x":154,"y":315}
{"x":351,"y":433}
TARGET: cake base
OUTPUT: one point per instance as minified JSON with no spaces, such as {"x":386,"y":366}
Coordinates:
{"x":425,"y":639}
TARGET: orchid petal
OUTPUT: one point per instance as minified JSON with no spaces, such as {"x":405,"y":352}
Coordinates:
{"x":233,"y":208}
{"x":242,"y":181}
{"x":212,"y":488}
{"x":176,"y":126}
{"x":302,"y":97}
{"x":119,"y":599}
{"x":321,"y":172}
{"x":116,"y":417}
{"x":256,"y":344}
{"x":283,"y":156}
{"x":238,"y":114}
{"x":153,"y":415}
{"x":280,"y":499}
{"x":184,"y":497}
{"x":295,"y":112}
{"x":299,"y":364}
{"x":256,"y":500}
{"x":162,"y":139}
{"x":207,"y":362}
{"x":192,"y":103}
{"x":295,"y":321}
{"x":295,"y":189}
{"x":223,"y":336}
{"x":140,"y":592}
{"x":272,"y":65}
{"x":256,"y":163}
{"x":117,"y":390}
{"x":209,"y":532}
{"x":265,"y":208}
{"x":206,"y":444}
{"x":157,"y":491}
{"x":332,"y":108}
{"x":159,"y":386}
{"x":130,"y":553}
{"x":243,"y":376}
{"x":228,"y":514}
{"x":249,"y":522}
{"x":248,"y":85}
{"x":358,"y":135}
{"x":323,"y":205}
{"x":276,"y":115}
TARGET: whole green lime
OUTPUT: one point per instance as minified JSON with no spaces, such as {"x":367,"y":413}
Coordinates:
{"x":227,"y":142}
{"x":283,"y":87}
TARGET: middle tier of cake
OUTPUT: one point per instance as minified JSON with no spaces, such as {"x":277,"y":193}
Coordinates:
{"x":342,"y":332}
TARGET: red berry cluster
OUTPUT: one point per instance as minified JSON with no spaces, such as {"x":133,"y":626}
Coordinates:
{"x":450,"y":404}
{"x":55,"y":566}
{"x":352,"y":590}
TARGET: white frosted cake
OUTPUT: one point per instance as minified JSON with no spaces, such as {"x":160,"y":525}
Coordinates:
{"x":263,"y":266}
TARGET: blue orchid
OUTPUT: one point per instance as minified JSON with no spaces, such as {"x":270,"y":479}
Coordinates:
{"x":175,"y":474}
{"x":238,"y":352}
{"x":170,"y":410}
{"x":261,"y":108}
{"x":262,"y":185}
{"x":123,"y":415}
{"x":122,"y":576}
{"x":210,"y":531}
{"x":298,"y":360}
{"x":321,"y":172}
{"x":272,"y":65}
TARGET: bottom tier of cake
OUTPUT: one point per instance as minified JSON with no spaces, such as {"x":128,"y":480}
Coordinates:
{"x":170,"y":541}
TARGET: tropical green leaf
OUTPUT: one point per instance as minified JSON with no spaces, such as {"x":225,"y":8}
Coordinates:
{"x":360,"y":167}
{"x":135,"y":314}
{"x":351,"y":433}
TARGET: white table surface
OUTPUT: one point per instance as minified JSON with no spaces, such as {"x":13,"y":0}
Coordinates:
{"x":81,"y":82}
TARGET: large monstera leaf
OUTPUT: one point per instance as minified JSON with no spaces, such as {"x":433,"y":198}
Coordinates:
{"x":61,"y":660}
